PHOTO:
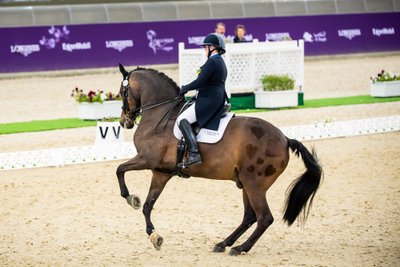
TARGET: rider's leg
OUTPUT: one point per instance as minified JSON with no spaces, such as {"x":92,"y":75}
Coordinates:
{"x":189,"y":114}
{"x":184,"y":122}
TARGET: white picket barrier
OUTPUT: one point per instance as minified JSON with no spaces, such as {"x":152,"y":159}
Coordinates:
{"x":248,"y":62}
{"x":126,"y":150}
{"x":66,"y":156}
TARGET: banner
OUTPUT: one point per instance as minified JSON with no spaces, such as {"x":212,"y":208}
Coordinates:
{"x":62,"y":47}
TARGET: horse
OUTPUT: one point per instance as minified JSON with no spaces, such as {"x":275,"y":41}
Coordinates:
{"x":258,"y":154}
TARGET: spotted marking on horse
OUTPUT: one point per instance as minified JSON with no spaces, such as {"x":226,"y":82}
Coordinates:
{"x":251,"y":150}
{"x":251,"y":168}
{"x":270,"y":170}
{"x":260,"y":161}
{"x":258,"y":132}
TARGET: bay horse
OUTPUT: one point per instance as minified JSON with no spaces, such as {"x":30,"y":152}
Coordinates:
{"x":258,"y":154}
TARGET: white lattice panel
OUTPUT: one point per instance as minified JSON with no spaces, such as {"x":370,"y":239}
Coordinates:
{"x":248,"y":62}
{"x":239,"y":72}
{"x":291,"y":62}
{"x":265,"y":62}
{"x":126,"y":150}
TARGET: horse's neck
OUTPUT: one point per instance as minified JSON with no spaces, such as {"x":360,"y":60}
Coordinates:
{"x":155,"y":95}
{"x":160,"y":117}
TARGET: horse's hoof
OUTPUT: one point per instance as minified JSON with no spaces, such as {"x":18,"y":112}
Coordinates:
{"x":134,"y":201}
{"x":234,"y":252}
{"x":156,"y":240}
{"x":218,"y":249}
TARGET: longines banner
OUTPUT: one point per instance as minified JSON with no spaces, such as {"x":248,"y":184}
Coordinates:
{"x":105,"y":45}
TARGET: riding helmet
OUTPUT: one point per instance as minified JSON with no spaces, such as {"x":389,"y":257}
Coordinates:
{"x":216,"y":40}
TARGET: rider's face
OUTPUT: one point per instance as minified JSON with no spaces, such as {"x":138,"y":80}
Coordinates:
{"x":208,"y":48}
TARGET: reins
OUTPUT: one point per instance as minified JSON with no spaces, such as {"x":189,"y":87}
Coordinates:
{"x":167,"y":114}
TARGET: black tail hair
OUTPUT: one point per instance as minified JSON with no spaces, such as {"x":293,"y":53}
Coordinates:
{"x":301,"y":192}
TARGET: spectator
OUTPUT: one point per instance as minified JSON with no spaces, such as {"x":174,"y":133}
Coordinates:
{"x":240,"y":31}
{"x":220,"y":28}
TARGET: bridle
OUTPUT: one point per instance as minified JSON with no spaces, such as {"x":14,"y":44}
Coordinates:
{"x":132,"y":114}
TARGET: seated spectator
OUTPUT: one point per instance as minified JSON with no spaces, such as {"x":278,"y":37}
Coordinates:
{"x":220,"y":28}
{"x":240,"y":31}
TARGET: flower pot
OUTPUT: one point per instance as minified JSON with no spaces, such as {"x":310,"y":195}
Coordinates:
{"x":96,"y":111}
{"x":385,"y":89}
{"x":108,"y":132}
{"x":276,"y":99}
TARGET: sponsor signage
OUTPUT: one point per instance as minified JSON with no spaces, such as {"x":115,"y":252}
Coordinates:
{"x":119,"y":45}
{"x":57,"y":47}
{"x":277,"y":36}
{"x":349,"y":33}
{"x":25,"y":50}
{"x":383,"y":31}
{"x":315,"y":37}
{"x":76,"y":46}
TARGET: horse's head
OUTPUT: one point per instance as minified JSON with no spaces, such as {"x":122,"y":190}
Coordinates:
{"x":130,"y":104}
{"x":144,"y":90}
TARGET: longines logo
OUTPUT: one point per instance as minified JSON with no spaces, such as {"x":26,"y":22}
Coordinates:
{"x":25,"y":50}
{"x":349,"y":33}
{"x":119,"y":44}
{"x":197,"y":40}
{"x":277,"y":36}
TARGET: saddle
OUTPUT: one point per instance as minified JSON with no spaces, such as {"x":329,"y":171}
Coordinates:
{"x":202,"y":135}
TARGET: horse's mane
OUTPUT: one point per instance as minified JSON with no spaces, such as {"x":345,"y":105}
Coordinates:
{"x":163,"y":76}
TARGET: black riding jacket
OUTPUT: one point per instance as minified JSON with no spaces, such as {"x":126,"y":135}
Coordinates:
{"x":210,"y":84}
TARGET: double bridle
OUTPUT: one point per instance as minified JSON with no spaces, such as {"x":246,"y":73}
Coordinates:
{"x":132,"y":114}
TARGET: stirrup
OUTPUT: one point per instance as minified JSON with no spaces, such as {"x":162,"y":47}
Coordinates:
{"x":191,"y":161}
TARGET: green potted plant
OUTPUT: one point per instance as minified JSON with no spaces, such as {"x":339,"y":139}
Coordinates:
{"x":278,"y":91}
{"x":385,"y":84}
{"x":95,"y":105}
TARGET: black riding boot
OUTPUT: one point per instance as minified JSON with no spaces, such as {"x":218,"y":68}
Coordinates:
{"x":190,"y":138}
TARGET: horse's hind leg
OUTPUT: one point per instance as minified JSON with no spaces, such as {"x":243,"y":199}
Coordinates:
{"x":264,"y":219}
{"x":158,"y":182}
{"x":249,"y":219}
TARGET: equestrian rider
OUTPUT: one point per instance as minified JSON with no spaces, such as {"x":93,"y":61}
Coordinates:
{"x":210,"y":98}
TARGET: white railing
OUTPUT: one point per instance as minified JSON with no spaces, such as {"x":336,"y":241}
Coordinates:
{"x":126,"y":150}
{"x":248,"y":62}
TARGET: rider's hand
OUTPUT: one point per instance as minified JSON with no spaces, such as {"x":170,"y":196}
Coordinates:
{"x":183,"y":91}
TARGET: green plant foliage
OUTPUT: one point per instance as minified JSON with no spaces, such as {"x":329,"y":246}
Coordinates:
{"x":43,"y":125}
{"x":277,"y":82}
{"x":385,"y":76}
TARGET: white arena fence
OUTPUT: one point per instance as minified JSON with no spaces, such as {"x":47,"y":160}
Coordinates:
{"x":248,"y":62}
{"x":126,"y":150}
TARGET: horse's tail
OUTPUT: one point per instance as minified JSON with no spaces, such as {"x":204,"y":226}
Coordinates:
{"x":303,"y":189}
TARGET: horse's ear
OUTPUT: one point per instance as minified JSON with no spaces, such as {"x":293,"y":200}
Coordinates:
{"x":123,"y":71}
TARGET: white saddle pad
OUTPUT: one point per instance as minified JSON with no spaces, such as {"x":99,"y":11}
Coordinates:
{"x":206,"y":135}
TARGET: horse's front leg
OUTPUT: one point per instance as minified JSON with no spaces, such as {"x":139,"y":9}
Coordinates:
{"x":158,"y":182}
{"x":137,"y":163}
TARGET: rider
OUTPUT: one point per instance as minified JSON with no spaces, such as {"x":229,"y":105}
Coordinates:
{"x":210,"y":99}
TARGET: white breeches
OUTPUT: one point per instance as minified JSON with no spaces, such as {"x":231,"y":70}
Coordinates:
{"x":189,"y":114}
